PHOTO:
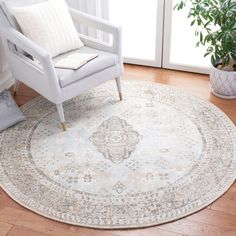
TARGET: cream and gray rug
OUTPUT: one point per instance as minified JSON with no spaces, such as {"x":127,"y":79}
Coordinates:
{"x":157,"y":156}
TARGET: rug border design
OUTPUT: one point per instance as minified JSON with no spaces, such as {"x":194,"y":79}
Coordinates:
{"x":220,"y":189}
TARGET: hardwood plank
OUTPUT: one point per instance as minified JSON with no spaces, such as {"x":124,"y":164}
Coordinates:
{"x":225,"y":205}
{"x":92,"y":232}
{"x":216,"y":218}
{"x":32,"y":221}
{"x":194,"y":228}
{"x":4,"y":228}
{"x":21,"y":100}
{"x":231,"y":193}
{"x":27,"y":219}
{"x":23,"y":90}
{"x":147,"y":232}
{"x":5,"y":200}
{"x":10,"y":215}
{"x":21,"y":231}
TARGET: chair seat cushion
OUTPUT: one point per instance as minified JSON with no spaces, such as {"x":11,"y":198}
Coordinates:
{"x":102,"y":62}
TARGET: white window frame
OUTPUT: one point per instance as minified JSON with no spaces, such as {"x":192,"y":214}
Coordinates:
{"x":100,"y":8}
{"x":157,"y":62}
{"x":167,"y":45}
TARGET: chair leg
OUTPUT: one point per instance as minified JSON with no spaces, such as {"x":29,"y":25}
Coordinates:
{"x":16,"y":86}
{"x":61,"y":116}
{"x":118,"y":85}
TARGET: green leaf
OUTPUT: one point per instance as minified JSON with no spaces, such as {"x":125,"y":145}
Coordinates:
{"x":215,"y":22}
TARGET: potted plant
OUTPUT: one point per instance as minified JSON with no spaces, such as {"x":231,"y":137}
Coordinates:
{"x":215,"y":22}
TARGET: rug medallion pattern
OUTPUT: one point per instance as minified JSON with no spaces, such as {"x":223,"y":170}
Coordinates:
{"x":115,"y":139}
{"x":157,"y":156}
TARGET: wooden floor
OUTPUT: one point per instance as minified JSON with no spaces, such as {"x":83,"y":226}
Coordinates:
{"x":217,"y":219}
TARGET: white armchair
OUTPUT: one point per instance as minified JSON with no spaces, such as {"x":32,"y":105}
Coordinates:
{"x":59,"y":85}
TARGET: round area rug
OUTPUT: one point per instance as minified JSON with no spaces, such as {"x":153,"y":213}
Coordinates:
{"x":155,"y":157}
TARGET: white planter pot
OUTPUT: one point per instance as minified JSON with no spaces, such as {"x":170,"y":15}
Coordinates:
{"x":223,"y":83}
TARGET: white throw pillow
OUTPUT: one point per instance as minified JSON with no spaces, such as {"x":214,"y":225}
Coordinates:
{"x":50,"y":25}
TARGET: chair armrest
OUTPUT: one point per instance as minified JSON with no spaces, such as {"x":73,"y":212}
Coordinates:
{"x":103,"y":25}
{"x":20,"y":41}
{"x":27,"y":45}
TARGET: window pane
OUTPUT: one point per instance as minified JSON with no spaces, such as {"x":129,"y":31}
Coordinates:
{"x":183,"y":49}
{"x":139,"y":22}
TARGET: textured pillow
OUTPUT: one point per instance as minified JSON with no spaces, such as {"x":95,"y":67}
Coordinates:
{"x":50,"y":25}
{"x":9,"y":112}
